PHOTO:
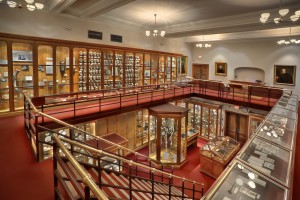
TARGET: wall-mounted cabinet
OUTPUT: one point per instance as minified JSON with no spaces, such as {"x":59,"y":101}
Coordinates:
{"x":141,"y":136}
{"x":39,"y":67}
{"x":204,"y":118}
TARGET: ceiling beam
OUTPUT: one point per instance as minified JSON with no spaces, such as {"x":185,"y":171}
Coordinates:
{"x":104,"y":6}
{"x":64,"y":5}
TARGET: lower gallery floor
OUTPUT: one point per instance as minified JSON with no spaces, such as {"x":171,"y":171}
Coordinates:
{"x":23,"y":177}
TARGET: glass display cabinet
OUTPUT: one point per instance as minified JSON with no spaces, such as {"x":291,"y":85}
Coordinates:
{"x":168,"y":133}
{"x":216,"y":154}
{"x":108,"y":69}
{"x":161,"y":71}
{"x":118,"y":70}
{"x":206,"y":118}
{"x":94,"y":69}
{"x":4,"y":81}
{"x":154,"y":69}
{"x":242,"y":182}
{"x":174,"y":69}
{"x":129,"y":70}
{"x":141,"y":137}
{"x":139,"y":75}
{"x":62,"y":69}
{"x":194,"y":122}
{"x":269,"y":159}
{"x":45,"y":61}
{"x":147,"y":69}
{"x":80,"y":67}
{"x":22,"y":60}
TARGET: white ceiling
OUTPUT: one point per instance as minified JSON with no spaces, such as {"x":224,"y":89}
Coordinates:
{"x":187,"y":19}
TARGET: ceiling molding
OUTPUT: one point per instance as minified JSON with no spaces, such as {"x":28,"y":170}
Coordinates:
{"x":99,"y":9}
{"x":63,"y":6}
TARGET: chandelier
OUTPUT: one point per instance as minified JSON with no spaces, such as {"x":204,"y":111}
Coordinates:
{"x":203,"y":44}
{"x":28,"y":4}
{"x":155,"y":32}
{"x":289,"y":41}
{"x":283,"y":16}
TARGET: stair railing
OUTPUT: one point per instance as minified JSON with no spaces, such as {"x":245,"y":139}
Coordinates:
{"x":131,"y":163}
{"x":97,"y":138}
{"x":85,"y":176}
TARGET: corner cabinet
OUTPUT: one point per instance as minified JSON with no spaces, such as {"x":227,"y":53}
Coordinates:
{"x":204,"y":119}
{"x":41,"y":66}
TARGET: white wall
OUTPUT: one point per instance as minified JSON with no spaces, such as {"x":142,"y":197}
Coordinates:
{"x":260,"y":54}
{"x":43,"y":24}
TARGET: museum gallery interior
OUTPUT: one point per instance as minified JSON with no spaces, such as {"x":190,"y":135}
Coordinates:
{"x":156,"y":99}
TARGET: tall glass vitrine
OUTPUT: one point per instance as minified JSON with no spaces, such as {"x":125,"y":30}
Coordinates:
{"x":168,"y":134}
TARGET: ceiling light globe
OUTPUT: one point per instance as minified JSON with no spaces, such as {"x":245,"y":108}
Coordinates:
{"x":283,"y":12}
{"x":30,"y":7}
{"x":263,"y":20}
{"x":287,"y":42}
{"x":155,"y":31}
{"x":39,"y":6}
{"x":162,"y":33}
{"x":148,"y":33}
{"x":293,"y":40}
{"x":12,"y":4}
{"x":297,"y":13}
{"x":294,"y":18}
{"x":265,"y":15}
{"x":29,"y":1}
{"x":277,"y":20}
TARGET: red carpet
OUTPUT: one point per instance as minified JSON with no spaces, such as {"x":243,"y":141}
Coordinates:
{"x":23,"y":178}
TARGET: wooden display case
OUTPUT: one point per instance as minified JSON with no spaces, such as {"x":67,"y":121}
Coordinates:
{"x":216,"y":154}
{"x":204,"y":118}
{"x":168,"y":134}
{"x":50,"y":66}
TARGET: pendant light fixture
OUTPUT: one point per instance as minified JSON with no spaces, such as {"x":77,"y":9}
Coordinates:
{"x":282,"y":15}
{"x":155,"y":32}
{"x":289,"y":41}
{"x":203,"y":44}
{"x":30,"y":5}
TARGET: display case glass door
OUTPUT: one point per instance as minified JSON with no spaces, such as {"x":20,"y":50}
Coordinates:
{"x":147,"y":70}
{"x":139,"y":70}
{"x":154,"y":69}
{"x":168,"y":70}
{"x":152,"y":136}
{"x":80,"y":69}
{"x":45,"y":62}
{"x":141,"y":128}
{"x":94,"y":69}
{"x":108,"y":57}
{"x":161,"y":71}
{"x":22,"y":72}
{"x":62,"y":69}
{"x":4,"y":79}
{"x":118,"y":69}
{"x":174,"y":69}
{"x":169,"y":133}
{"x":129,"y":70}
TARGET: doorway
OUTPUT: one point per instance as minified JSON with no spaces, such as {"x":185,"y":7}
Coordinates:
{"x":237,"y":127}
{"x":200,"y":71}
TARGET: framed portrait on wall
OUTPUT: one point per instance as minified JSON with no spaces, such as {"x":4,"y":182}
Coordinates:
{"x":284,"y":75}
{"x":221,"y":68}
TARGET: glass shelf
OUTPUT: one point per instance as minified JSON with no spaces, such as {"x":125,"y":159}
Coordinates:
{"x":268,"y":159}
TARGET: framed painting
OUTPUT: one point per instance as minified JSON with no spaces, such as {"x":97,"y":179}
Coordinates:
{"x":284,"y":74}
{"x":221,"y":68}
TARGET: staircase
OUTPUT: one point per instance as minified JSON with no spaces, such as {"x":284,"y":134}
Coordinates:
{"x":115,"y":185}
